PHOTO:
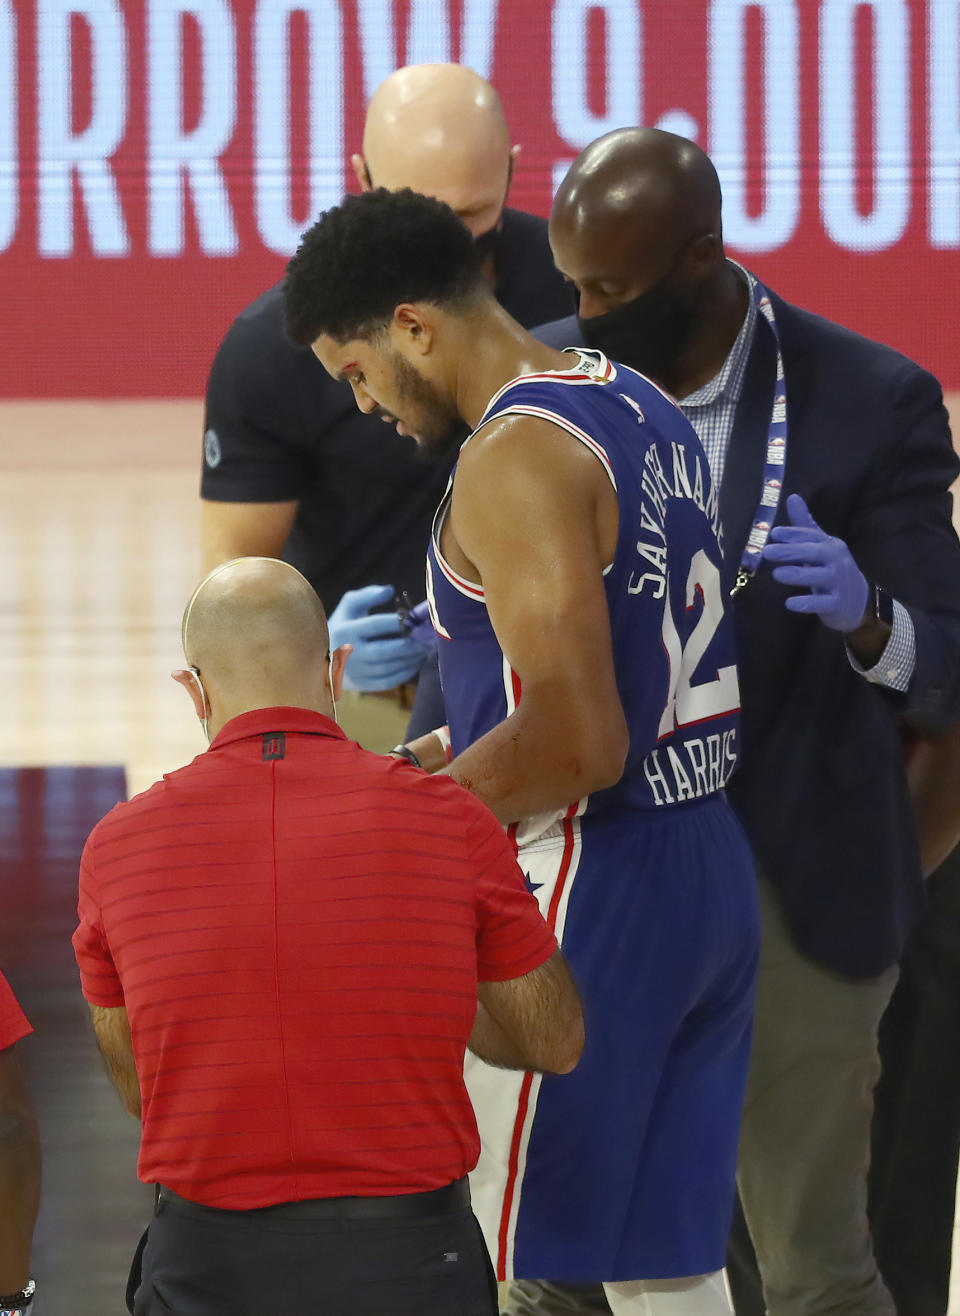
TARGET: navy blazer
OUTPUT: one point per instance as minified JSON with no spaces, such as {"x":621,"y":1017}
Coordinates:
{"x":821,"y":788}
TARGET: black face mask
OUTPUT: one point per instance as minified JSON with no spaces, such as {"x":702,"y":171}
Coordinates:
{"x":491,"y":242}
{"x":647,"y":333}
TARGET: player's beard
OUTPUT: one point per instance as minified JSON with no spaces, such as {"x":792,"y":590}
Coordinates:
{"x":427,"y":414}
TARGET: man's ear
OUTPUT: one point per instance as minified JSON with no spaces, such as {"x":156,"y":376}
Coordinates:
{"x":337,"y":664}
{"x":704,"y":254}
{"x":411,"y":322}
{"x":192,"y":686}
{"x":511,"y":162}
{"x":361,"y":172}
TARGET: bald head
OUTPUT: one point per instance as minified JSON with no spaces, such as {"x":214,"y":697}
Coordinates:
{"x":440,"y":129}
{"x":633,"y":203}
{"x":256,"y":632}
{"x":636,"y":227}
{"x":658,"y":186}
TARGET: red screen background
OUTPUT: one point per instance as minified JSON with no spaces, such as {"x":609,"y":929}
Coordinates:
{"x":835,"y":127}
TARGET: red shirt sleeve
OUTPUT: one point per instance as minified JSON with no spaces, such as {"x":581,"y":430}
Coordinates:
{"x":512,"y":935}
{"x":13,"y":1022}
{"x":98,"y":975}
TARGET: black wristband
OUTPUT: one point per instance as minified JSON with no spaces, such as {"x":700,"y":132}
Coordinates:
{"x":19,"y":1301}
{"x":405,"y":752}
{"x":881,"y":604}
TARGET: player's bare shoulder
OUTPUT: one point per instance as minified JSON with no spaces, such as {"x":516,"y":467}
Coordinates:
{"x":521,"y":476}
{"x":521,"y":456}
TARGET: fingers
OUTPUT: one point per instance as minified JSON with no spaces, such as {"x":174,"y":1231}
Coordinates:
{"x":386,"y":670}
{"x":378,"y":625}
{"x":798,"y":534}
{"x":356,"y":602}
{"x":795,"y":534}
{"x":812,"y":602}
{"x":799,"y":513}
{"x":800,"y":552}
{"x":419,"y":612}
{"x":816,"y":578}
{"x":389,"y":650}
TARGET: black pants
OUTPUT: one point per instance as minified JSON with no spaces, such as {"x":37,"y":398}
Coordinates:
{"x":290,"y":1261}
{"x":912,"y":1183}
{"x":428,"y":711}
{"x":916,"y":1124}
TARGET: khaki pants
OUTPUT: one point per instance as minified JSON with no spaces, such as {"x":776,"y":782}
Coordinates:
{"x":377,"y":722}
{"x":804,"y":1144}
{"x":805,"y":1139}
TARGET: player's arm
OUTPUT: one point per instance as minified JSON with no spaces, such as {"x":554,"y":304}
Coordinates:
{"x":19,"y":1174}
{"x":254,"y":460}
{"x":536,"y":514}
{"x":112,"y":1028}
{"x":902,"y":536}
{"x":229,"y":530}
{"x":532,"y":1022}
{"x":934,"y":775}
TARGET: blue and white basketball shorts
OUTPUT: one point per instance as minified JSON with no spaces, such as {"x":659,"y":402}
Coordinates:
{"x":625,"y":1168}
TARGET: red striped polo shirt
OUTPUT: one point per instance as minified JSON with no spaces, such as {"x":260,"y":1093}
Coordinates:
{"x":296,"y":928}
{"x":13,"y":1022}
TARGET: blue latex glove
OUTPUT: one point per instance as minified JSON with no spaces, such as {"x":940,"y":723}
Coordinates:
{"x":384,"y":655}
{"x":420,"y":627}
{"x":806,"y":555}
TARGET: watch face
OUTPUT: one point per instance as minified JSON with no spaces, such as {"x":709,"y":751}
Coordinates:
{"x":882,"y":606}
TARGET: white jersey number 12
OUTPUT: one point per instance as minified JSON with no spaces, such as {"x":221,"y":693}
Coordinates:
{"x":686,"y":702}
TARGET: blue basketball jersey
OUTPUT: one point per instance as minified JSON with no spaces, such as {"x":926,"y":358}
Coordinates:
{"x":672,"y":634}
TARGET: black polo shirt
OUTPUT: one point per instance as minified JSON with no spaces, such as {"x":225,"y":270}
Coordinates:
{"x":278,"y":428}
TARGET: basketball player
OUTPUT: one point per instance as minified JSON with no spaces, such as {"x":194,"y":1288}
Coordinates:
{"x":588,"y":669}
{"x":290,"y":469}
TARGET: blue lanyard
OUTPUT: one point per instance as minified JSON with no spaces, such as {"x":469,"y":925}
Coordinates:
{"x":775,"y":461}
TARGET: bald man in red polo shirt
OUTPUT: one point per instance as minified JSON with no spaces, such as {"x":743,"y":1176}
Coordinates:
{"x":19,"y":1162}
{"x":283,"y":945}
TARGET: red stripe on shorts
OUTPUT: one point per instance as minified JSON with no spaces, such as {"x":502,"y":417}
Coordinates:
{"x":523,"y":1102}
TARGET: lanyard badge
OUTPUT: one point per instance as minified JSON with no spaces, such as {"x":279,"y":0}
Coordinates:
{"x":774,"y":461}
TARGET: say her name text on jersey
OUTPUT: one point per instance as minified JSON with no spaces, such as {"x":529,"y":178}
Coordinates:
{"x":653,"y":512}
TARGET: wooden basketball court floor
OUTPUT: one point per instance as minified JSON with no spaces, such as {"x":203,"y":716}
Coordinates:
{"x":99,"y":551}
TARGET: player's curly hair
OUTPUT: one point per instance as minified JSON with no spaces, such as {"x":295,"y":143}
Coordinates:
{"x":361,"y":259}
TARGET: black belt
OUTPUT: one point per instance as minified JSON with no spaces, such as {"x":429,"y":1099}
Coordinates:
{"x":404,"y":1206}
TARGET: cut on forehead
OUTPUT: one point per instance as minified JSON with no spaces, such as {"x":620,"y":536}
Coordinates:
{"x":248,"y":603}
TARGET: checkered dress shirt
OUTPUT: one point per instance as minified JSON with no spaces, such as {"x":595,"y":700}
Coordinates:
{"x":710,"y":410}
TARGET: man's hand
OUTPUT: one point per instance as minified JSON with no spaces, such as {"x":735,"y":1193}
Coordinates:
{"x":419,"y":625}
{"x":807,"y":556}
{"x":432,"y":751}
{"x":384,"y":654}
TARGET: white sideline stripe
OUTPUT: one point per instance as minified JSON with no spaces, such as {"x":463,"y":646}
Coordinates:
{"x":496,"y":1094}
{"x":559,"y":927}
{"x":459,"y":583}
